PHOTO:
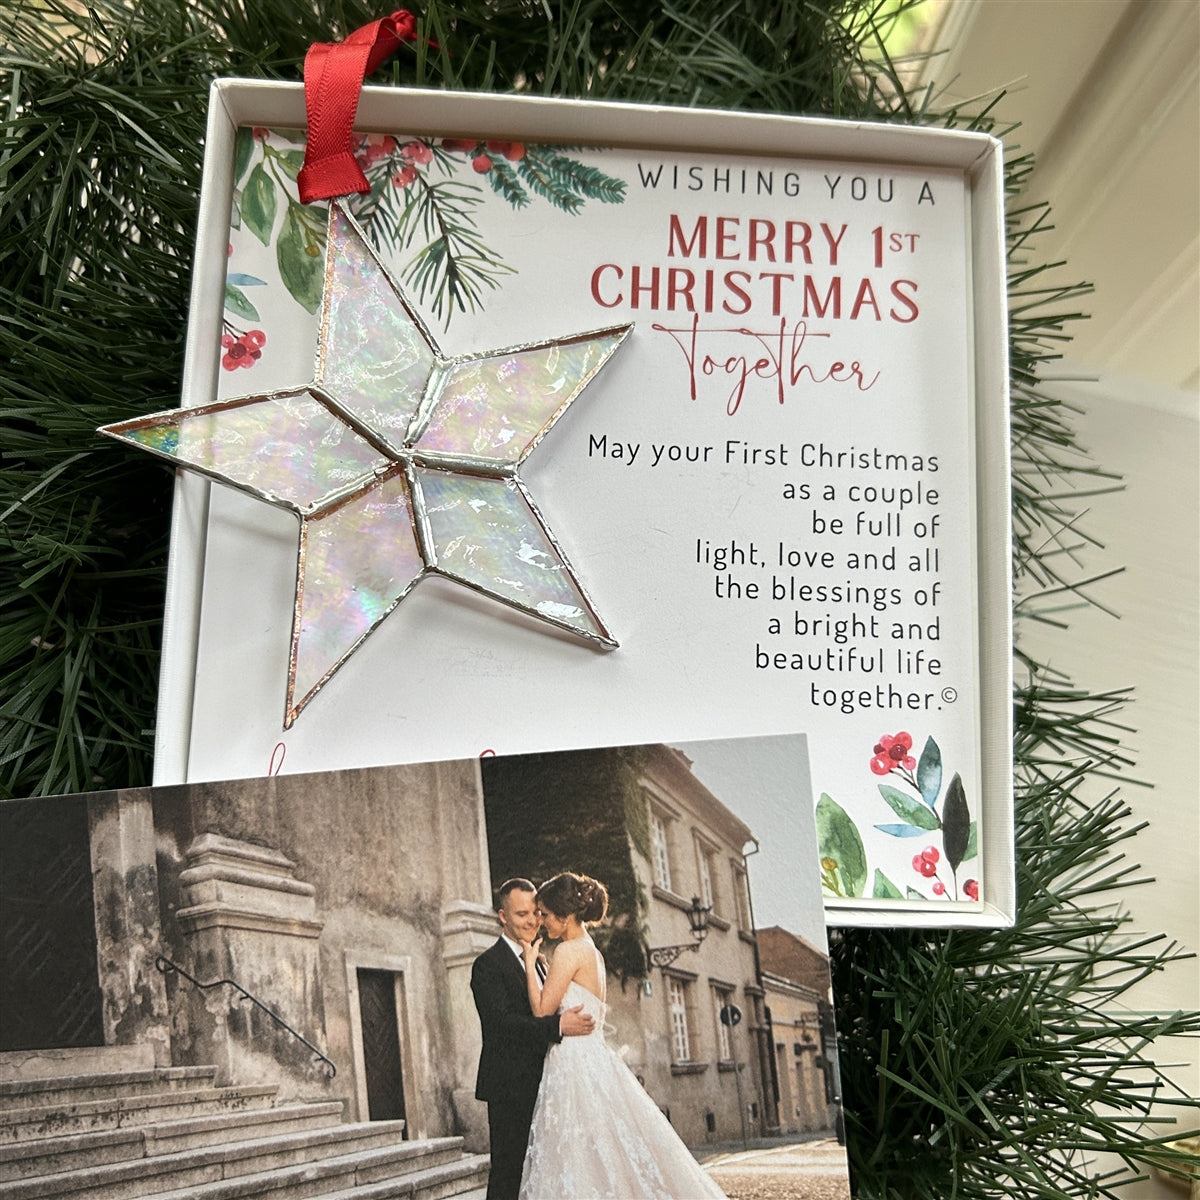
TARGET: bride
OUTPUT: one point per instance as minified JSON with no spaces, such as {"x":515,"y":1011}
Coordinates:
{"x":596,"y":1135}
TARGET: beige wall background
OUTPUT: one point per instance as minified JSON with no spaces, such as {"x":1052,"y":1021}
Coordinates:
{"x":1108,"y":96}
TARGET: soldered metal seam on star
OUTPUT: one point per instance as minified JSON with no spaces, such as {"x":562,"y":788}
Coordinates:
{"x":408,"y":461}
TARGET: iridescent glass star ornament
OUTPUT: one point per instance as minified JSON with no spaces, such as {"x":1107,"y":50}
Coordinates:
{"x":399,"y":461}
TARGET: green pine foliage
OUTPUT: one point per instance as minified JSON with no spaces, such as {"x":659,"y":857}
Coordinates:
{"x":976,"y":1064}
{"x":452,"y":262}
{"x":557,"y":177}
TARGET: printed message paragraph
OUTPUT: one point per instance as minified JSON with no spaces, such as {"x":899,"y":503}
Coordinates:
{"x":853,"y":597}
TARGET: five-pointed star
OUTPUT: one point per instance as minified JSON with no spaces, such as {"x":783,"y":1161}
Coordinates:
{"x":399,"y":461}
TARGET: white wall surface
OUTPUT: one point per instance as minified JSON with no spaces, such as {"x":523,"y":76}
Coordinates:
{"x":1149,"y":528}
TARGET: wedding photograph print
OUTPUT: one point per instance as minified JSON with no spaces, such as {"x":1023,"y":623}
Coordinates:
{"x":289,"y":976}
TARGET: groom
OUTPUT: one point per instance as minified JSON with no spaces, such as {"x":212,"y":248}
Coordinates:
{"x":514,"y":1040}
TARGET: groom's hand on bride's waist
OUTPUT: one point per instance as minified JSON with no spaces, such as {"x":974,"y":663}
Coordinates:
{"x":574,"y":1022}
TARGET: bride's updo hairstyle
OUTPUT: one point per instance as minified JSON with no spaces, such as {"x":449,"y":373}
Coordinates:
{"x":569,"y":894}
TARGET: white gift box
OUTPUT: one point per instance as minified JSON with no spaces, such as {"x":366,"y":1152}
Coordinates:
{"x":787,"y":494}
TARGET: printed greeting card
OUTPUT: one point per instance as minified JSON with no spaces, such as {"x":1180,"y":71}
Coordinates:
{"x":591,"y":424}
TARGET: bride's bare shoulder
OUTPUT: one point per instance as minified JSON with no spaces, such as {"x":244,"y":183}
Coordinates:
{"x":577,"y":948}
{"x":580,"y":954}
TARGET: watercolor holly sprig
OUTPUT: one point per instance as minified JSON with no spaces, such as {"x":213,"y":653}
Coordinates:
{"x":424,"y":194}
{"x":928,"y":812}
{"x":416,"y":201}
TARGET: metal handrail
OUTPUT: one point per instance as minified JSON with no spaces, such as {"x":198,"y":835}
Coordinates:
{"x":165,"y":965}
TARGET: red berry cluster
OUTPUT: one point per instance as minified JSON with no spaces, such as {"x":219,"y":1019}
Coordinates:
{"x":926,"y":865}
{"x":244,"y":350}
{"x":483,"y":154}
{"x":971,"y":889}
{"x":926,"y":862}
{"x":379,"y":147}
{"x":375,"y":147}
{"x":892,"y":751}
{"x":413,"y":155}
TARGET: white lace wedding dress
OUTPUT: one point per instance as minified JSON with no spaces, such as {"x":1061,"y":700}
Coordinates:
{"x":597,"y":1135}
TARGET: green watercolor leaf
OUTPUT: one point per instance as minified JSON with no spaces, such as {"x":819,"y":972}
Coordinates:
{"x":884,"y":888}
{"x":236,"y":302}
{"x":912,"y":894}
{"x":907,"y":807}
{"x":929,"y":772}
{"x":956,"y":823}
{"x":243,"y":152}
{"x":972,"y":843}
{"x":301,"y":263}
{"x":838,"y":838}
{"x":291,"y":161}
{"x":258,"y":204}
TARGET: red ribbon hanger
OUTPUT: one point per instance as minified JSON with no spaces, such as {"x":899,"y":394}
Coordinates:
{"x":333,"y":79}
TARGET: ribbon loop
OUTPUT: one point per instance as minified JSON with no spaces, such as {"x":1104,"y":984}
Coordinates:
{"x":333,"y":79}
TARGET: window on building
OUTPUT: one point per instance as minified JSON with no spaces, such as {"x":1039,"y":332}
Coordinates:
{"x":660,"y":848}
{"x":706,"y":865}
{"x":741,"y":891}
{"x":678,"y":1000}
{"x":722,"y":997}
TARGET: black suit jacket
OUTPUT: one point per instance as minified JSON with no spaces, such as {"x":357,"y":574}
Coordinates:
{"x":514,"y":1040}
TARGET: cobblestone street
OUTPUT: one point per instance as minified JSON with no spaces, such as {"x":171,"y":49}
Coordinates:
{"x":812,"y":1170}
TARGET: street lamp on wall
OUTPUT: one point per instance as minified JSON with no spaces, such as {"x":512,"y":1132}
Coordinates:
{"x":697,"y":915}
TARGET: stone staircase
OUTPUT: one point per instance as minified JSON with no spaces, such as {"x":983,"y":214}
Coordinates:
{"x":105,"y":1124}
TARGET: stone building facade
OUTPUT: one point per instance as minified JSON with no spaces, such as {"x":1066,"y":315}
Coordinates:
{"x":708,"y":1074}
{"x":351,"y":904}
{"x":796,"y":987}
